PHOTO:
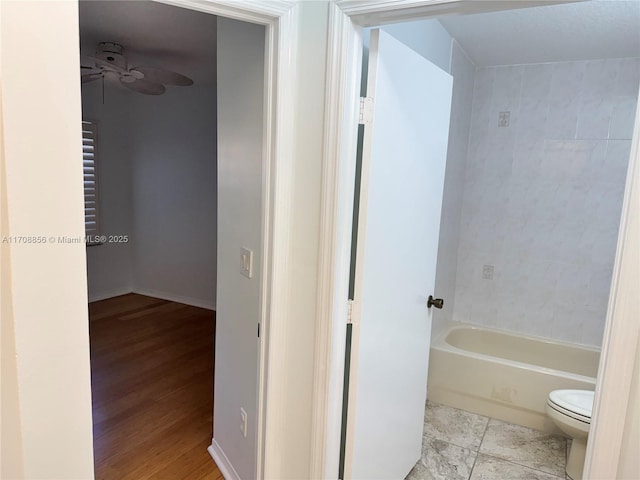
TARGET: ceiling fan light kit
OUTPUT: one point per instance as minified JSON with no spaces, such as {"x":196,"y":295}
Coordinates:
{"x":110,"y":60}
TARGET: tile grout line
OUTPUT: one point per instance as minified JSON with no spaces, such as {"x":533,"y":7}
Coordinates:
{"x":521,"y":465}
{"x":516,"y":463}
{"x":479,"y":446}
{"x":444,"y":441}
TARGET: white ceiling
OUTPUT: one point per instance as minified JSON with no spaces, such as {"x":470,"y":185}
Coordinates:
{"x":153,"y":34}
{"x":554,"y":33}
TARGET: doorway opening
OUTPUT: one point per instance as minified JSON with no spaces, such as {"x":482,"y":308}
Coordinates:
{"x":539,"y":145}
{"x":175,"y":276}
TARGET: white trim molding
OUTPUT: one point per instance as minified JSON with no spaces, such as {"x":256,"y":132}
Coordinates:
{"x":194,"y":302}
{"x":275,"y":292}
{"x":280,"y":20}
{"x":368,"y":13}
{"x":223,"y":463}
{"x":338,"y":180}
{"x":252,"y":11}
{"x":116,"y":292}
{"x":621,"y":334}
{"x":342,"y":89}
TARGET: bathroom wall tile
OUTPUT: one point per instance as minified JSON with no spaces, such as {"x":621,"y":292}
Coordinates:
{"x":463,"y":72}
{"x":607,"y":215}
{"x":541,"y":205}
{"x":454,"y":426}
{"x":623,"y":117}
{"x":507,"y":85}
{"x":534,"y":104}
{"x":483,"y":87}
{"x":566,"y":321}
{"x":556,"y":162}
{"x":525,"y":446}
{"x":628,"y":80}
{"x":536,"y":82}
{"x":616,"y":161}
{"x":594,"y":117}
{"x":596,"y":106}
{"x":601,"y":242}
{"x":593,"y":326}
{"x":532,"y":121}
{"x":564,"y":101}
{"x":599,"y":78}
{"x":589,"y":157}
{"x":489,"y":468}
{"x":598,"y":287}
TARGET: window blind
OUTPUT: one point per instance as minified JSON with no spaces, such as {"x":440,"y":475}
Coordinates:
{"x":89,"y":165}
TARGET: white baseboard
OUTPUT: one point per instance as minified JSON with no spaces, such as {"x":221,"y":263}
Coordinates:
{"x":96,"y":297}
{"x":194,"y":302}
{"x":223,"y":463}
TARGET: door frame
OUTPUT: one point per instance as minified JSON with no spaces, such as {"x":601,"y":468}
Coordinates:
{"x":346,"y":21}
{"x":279,"y":17}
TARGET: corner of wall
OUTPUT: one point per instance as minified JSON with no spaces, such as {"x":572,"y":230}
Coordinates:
{"x":463,"y":71}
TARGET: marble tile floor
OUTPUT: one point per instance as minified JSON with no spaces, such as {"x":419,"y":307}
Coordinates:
{"x":458,"y":445}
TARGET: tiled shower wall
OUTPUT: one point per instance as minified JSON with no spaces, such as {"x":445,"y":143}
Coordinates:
{"x":543,"y":195}
{"x":462,"y":70}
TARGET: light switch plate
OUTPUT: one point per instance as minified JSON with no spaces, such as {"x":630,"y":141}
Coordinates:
{"x":246,"y":262}
{"x":243,"y":422}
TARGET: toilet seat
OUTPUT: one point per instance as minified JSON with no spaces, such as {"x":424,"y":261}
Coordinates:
{"x":576,"y":404}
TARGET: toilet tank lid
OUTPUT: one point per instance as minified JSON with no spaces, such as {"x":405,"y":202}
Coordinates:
{"x":578,"y":401}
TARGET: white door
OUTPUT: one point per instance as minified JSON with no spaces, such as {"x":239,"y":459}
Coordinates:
{"x":404,"y":156}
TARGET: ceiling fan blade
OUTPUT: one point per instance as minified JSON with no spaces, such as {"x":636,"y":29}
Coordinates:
{"x":90,"y":77}
{"x":166,"y":77}
{"x":145,"y":87}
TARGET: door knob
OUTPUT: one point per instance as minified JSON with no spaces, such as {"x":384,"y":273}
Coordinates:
{"x":435,"y":302}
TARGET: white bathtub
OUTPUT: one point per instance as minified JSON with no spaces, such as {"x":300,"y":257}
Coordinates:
{"x":506,"y":376}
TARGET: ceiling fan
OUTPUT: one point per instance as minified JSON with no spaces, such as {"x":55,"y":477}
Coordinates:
{"x":110,"y":60}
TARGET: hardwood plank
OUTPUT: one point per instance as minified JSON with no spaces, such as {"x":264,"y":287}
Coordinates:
{"x":152,"y":365}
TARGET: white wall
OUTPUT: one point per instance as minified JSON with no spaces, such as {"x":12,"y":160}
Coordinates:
{"x":426,"y":37}
{"x":173,"y":152}
{"x":542,"y":197}
{"x":463,"y":71}
{"x":47,"y":285}
{"x":110,"y":265}
{"x":241,"y":72}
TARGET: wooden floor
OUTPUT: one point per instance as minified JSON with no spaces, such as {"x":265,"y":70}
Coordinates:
{"x":152,"y":385}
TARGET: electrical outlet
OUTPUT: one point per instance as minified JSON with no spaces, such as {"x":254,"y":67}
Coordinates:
{"x":243,"y":422}
{"x":487,"y":272}
{"x":503,"y":119}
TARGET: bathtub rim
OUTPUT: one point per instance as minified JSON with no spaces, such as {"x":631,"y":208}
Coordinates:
{"x":439,"y":343}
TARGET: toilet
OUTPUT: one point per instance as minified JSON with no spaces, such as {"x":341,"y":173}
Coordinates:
{"x":570,"y":410}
